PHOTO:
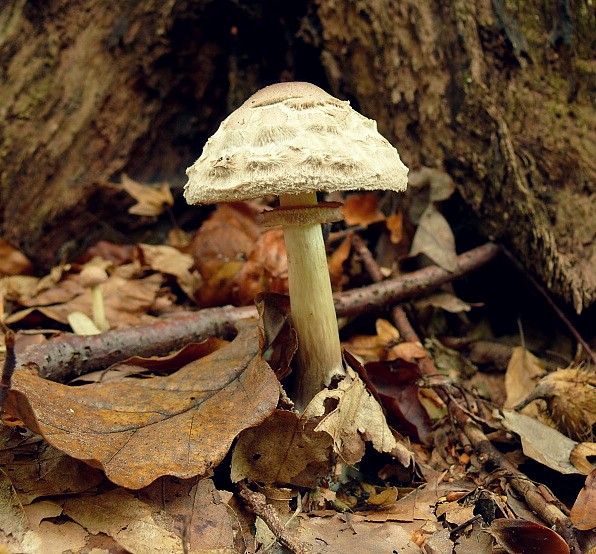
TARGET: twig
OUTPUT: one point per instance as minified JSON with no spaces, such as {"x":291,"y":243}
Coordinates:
{"x":258,"y":504}
{"x":548,"y":511}
{"x":67,"y":356}
{"x":550,"y":302}
{"x":411,"y":285}
{"x":8,"y":368}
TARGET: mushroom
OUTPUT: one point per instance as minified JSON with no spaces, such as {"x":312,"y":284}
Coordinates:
{"x":294,"y":139}
{"x":92,"y":277}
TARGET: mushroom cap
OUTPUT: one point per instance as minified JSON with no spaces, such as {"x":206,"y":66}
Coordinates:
{"x":92,"y":275}
{"x":291,"y":138}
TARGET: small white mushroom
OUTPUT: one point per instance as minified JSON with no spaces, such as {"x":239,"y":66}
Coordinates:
{"x":293,"y":140}
{"x":92,"y":277}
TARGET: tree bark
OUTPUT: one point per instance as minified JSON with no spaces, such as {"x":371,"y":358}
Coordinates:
{"x":497,"y":93}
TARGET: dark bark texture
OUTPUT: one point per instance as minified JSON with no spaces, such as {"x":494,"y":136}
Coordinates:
{"x":500,"y":94}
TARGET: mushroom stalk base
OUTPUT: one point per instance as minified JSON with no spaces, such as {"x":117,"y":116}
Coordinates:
{"x":313,"y":310}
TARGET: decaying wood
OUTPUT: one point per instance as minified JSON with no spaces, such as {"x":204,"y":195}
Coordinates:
{"x":67,"y":356}
{"x":495,"y":98}
{"x":501,"y":99}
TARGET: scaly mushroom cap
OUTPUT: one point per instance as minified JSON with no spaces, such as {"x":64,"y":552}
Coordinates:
{"x":291,"y":138}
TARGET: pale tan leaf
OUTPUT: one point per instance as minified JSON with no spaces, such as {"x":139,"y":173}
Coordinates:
{"x":356,"y":418}
{"x":435,"y":239}
{"x":151,"y":200}
{"x":541,"y":442}
{"x":523,"y":371}
{"x":129,"y":521}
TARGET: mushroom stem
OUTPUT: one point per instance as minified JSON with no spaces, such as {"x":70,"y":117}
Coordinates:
{"x":99,"y":313}
{"x":311,"y":300}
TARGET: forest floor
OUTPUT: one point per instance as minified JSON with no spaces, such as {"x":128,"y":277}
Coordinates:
{"x":145,"y":403}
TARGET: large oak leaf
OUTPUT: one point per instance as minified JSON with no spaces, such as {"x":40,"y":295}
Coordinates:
{"x":138,"y":430}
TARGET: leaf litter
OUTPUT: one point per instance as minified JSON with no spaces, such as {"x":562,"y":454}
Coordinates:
{"x":163,"y":426}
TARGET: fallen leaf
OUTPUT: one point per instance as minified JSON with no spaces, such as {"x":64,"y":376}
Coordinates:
{"x":352,"y":533}
{"x":583,"y":457}
{"x":119,"y":514}
{"x":336,"y":263}
{"x":446,"y":301}
{"x":126,"y":300}
{"x":450,"y":361}
{"x":522,"y":372}
{"x":362,"y":209}
{"x":397,"y":385}
{"x":395,"y":226}
{"x":12,"y":261}
{"x":168,"y":260}
{"x":151,"y":200}
{"x":352,"y":417}
{"x":542,"y":443}
{"x":371,"y":348}
{"x":37,"y":469}
{"x":583,"y":512}
{"x":136,"y":431}
{"x":284,"y":449}
{"x":435,"y":239}
{"x":52,"y":538}
{"x":519,"y":536}
{"x":13,"y":520}
{"x":265,"y":270}
{"x":43,"y":509}
{"x":439,"y":183}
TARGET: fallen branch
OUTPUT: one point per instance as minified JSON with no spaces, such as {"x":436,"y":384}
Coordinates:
{"x":67,"y":356}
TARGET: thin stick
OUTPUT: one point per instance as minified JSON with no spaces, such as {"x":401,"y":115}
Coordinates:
{"x":257,"y":502}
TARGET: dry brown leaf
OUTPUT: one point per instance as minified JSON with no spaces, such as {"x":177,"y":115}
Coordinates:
{"x":522,"y":373}
{"x":440,"y":185}
{"x":12,"y":261}
{"x":220,"y":248}
{"x":203,"y":519}
{"x":43,"y":509}
{"x":435,"y":239}
{"x":125,"y":300}
{"x":168,"y":260}
{"x":395,"y":226}
{"x":151,"y":200}
{"x":336,"y":264}
{"x":371,"y":348}
{"x":284,"y":449}
{"x":541,"y":442}
{"x":583,"y":456}
{"x":356,"y":418}
{"x":352,"y":533}
{"x":37,"y":469}
{"x":362,"y":209}
{"x":446,"y":301}
{"x":136,"y":431}
{"x":119,"y":514}
{"x":583,"y":513}
{"x":52,"y":538}
{"x":13,"y":520}
{"x":266,"y":269}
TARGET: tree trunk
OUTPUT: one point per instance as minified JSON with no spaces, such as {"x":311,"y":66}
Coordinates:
{"x":498,"y":93}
